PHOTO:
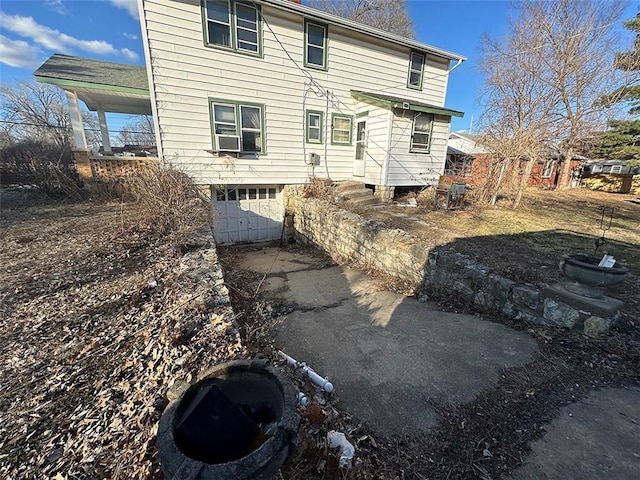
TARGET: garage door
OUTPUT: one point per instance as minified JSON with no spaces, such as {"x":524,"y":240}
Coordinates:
{"x":248,"y":213}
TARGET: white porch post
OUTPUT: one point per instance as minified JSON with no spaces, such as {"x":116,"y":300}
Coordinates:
{"x":104,"y":131}
{"x":76,"y":120}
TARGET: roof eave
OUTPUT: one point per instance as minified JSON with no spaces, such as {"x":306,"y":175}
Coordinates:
{"x":359,"y":27}
{"x":405,"y":105}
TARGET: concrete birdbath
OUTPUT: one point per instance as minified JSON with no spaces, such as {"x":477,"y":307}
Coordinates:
{"x":586,"y":277}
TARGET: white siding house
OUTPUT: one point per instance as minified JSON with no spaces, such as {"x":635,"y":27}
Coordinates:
{"x":244,"y":92}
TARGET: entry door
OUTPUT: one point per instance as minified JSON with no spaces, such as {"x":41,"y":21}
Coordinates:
{"x":361,"y":148}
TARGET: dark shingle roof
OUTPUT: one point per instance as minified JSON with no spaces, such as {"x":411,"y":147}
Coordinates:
{"x":85,"y":70}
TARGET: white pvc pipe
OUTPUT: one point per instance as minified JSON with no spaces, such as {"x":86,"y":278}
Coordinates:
{"x":302,"y":399}
{"x":322,"y":382}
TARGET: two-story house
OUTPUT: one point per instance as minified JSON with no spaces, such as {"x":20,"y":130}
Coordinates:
{"x":248,"y":96}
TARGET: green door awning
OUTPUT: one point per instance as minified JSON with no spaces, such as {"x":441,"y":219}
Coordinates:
{"x":388,"y":101}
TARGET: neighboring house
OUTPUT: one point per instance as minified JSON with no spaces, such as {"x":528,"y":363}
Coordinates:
{"x":250,"y":96}
{"x":469,"y":160}
{"x":615,"y":176}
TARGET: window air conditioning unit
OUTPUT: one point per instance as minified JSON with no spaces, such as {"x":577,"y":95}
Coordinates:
{"x":227,"y":143}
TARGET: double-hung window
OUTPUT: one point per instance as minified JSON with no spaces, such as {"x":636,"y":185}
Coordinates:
{"x":233,"y":25}
{"x":315,"y":121}
{"x":315,"y":45}
{"x":421,"y":135}
{"x":341,"y":126}
{"x":237,"y":126}
{"x":416,"y":69}
{"x":547,"y":170}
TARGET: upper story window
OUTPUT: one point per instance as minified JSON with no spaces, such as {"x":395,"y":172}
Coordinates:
{"x":416,"y":69}
{"x":237,"y":126}
{"x":315,"y":45}
{"x":421,"y":135}
{"x":233,"y":25}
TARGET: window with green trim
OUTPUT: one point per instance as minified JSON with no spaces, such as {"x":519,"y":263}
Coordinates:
{"x":421,"y":134}
{"x":233,"y":25}
{"x":315,"y":45}
{"x":341,"y":126}
{"x":237,"y":126}
{"x":416,"y":69}
{"x":315,"y":120}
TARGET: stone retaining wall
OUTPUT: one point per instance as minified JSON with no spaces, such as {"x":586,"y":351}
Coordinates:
{"x":347,"y":236}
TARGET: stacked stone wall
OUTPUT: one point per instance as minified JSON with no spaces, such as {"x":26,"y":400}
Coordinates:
{"x":349,"y":237}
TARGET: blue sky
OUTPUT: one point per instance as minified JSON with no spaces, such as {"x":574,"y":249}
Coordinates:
{"x":31,"y":30}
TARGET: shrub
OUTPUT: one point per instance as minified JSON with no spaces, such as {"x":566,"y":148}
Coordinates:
{"x":169,"y":203}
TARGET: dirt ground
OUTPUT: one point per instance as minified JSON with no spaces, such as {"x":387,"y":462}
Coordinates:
{"x":95,"y":324}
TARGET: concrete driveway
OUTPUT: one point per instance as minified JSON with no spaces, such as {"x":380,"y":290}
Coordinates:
{"x":386,"y":354}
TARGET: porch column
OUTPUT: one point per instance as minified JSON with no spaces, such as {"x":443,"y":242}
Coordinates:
{"x":76,"y":120}
{"x":81,"y":152}
{"x":104,"y":131}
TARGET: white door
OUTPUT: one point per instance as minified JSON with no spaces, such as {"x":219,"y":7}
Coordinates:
{"x":361,"y":148}
{"x":247,"y":213}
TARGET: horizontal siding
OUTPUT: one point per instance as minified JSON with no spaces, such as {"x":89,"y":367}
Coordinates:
{"x":187,"y":73}
{"x":406,"y":168}
{"x":377,"y":143}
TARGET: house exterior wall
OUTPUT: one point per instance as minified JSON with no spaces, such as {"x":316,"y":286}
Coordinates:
{"x":186,"y":73}
{"x":378,"y":121}
{"x":406,"y":168}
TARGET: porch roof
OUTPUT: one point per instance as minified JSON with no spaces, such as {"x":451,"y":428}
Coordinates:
{"x":395,"y":102}
{"x":106,"y":86}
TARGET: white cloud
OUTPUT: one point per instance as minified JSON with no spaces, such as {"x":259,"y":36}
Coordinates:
{"x":17,"y":53}
{"x":130,"y":6}
{"x":131,"y":36}
{"x":58,"y":6}
{"x":57,"y":41}
{"x":129,"y":54}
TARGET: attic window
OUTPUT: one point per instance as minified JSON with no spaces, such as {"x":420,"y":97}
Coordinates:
{"x":416,"y":68}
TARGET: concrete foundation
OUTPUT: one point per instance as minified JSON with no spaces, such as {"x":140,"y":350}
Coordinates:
{"x":385,"y":193}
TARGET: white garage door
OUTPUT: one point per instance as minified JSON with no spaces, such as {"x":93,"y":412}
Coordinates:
{"x":248,"y":213}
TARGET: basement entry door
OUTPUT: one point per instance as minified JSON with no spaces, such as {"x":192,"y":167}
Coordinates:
{"x":247,"y":213}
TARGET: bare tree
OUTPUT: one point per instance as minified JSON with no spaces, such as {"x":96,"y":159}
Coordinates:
{"x":38,"y":112}
{"x":388,"y":15}
{"x":518,"y":106}
{"x":35,"y":111}
{"x":138,"y":132}
{"x":576,"y":40}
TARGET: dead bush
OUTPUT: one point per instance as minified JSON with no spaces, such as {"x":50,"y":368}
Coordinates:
{"x":169,"y":203}
{"x":47,"y":166}
{"x":319,"y":188}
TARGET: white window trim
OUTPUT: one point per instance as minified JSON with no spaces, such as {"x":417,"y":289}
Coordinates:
{"x":548,"y":165}
{"x":412,"y":148}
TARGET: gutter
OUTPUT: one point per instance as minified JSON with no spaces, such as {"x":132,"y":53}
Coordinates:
{"x":312,"y":13}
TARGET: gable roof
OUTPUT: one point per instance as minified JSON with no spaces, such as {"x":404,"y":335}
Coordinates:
{"x":361,"y":28}
{"x":70,"y":71}
{"x":388,"y":101}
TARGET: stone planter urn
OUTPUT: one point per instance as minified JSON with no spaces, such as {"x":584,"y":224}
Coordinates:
{"x":586,"y":277}
{"x":239,"y":421}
